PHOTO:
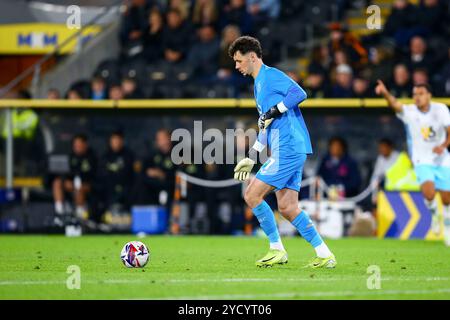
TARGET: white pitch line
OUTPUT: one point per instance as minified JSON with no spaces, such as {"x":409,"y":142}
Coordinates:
{"x":306,"y":294}
{"x":29,"y":283}
{"x":225,"y":280}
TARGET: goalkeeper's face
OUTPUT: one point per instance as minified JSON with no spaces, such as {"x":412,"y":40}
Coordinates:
{"x":244,"y":63}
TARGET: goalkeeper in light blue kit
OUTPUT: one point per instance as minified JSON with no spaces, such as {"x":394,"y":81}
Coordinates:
{"x":277,"y":98}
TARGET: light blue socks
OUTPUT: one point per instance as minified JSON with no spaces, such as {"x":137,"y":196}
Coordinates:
{"x":266,"y":219}
{"x":307,"y":230}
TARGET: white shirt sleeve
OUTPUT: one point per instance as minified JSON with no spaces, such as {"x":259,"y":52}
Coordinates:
{"x":404,"y":114}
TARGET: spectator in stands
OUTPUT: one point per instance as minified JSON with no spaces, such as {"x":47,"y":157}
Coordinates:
{"x":321,"y":61}
{"x":153,"y":37}
{"x":431,"y":17}
{"x":315,"y":84}
{"x":343,"y":82}
{"x":419,"y":56}
{"x":117,"y":173}
{"x":204,"y":53}
{"x":338,"y":168}
{"x":53,"y":94}
{"x":420,"y":76}
{"x":134,"y":23}
{"x":387,"y":156}
{"x":263,"y":11}
{"x":400,"y":23}
{"x":342,"y":39}
{"x":226,"y":65}
{"x":205,"y":13}
{"x":226,"y":72}
{"x":401,"y":86}
{"x":340,"y":57}
{"x":130,"y":89}
{"x":235,"y":13}
{"x":293,"y":74}
{"x":360,"y":88}
{"x":176,"y":37}
{"x":183,"y":7}
{"x":98,"y":89}
{"x":442,"y":79}
{"x":380,"y":64}
{"x":73,"y":94}
{"x":79,"y":181}
{"x":157,"y":181}
{"x":115,"y":92}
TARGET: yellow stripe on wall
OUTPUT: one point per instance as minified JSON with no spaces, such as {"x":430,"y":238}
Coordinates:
{"x":414,"y":215}
{"x":385,"y":215}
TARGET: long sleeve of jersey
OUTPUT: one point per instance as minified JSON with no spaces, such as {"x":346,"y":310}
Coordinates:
{"x":295,"y":95}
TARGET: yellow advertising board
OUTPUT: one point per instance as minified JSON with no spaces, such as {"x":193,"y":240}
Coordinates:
{"x":41,"y":38}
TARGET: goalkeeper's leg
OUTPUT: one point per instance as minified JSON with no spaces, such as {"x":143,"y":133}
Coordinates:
{"x":254,"y":197}
{"x":288,"y":206}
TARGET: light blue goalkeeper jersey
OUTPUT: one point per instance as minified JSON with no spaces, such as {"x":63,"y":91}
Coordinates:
{"x":287,"y":134}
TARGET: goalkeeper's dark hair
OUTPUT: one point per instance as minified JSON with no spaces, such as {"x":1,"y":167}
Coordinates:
{"x":244,"y":45}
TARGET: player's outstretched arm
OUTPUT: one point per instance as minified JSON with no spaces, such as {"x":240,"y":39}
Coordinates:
{"x":381,"y":90}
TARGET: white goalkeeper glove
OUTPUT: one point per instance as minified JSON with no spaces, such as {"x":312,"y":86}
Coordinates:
{"x":243,"y":169}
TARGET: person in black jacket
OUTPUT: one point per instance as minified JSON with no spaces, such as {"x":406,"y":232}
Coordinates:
{"x":339,"y":169}
{"x":157,"y":180}
{"x":117,"y":172}
{"x":79,"y":180}
{"x":153,"y":37}
{"x":177,"y":37}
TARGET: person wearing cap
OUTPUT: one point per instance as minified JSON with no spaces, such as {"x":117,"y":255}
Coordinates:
{"x":343,"y":82}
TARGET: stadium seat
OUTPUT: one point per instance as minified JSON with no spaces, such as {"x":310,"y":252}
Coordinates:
{"x":109,"y":70}
{"x":134,"y":69}
{"x":317,"y":13}
{"x":181,"y":73}
{"x":157,"y":80}
{"x":291,"y":9}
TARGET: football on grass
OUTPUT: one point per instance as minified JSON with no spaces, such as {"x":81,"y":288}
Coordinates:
{"x":135,"y":254}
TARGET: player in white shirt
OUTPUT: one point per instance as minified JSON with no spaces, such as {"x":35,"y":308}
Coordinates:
{"x":427,"y":126}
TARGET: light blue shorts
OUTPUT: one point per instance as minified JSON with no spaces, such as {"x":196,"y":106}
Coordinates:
{"x":283,"y":172}
{"x":437,"y":174}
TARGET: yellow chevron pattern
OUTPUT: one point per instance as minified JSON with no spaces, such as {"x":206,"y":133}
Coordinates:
{"x":403,"y":215}
{"x":385,"y":214}
{"x":413,"y":211}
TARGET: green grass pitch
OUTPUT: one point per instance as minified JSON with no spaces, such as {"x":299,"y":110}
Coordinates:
{"x":188,"y":267}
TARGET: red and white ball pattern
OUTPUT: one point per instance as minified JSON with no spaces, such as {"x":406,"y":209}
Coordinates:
{"x":135,"y":254}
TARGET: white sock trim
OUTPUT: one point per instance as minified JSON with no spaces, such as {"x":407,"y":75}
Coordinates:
{"x":59,"y":209}
{"x":323,"y":251}
{"x":277,"y":245}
